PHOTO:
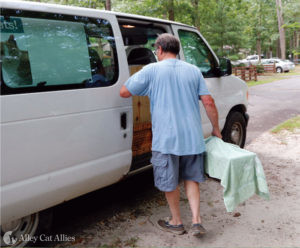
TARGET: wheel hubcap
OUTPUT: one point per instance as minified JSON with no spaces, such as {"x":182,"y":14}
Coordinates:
{"x":12,"y":232}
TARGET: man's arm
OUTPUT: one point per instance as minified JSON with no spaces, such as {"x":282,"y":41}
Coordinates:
{"x":124,"y":92}
{"x":212,"y":113}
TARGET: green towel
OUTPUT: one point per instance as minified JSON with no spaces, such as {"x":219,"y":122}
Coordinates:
{"x":240,"y":171}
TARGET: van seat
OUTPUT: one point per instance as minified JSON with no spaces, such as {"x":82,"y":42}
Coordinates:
{"x":141,"y":56}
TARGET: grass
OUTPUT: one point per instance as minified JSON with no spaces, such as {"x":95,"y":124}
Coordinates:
{"x":262,"y":81}
{"x":289,"y":125}
{"x":274,"y":77}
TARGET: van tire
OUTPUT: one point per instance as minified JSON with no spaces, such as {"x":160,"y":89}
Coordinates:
{"x":279,"y":70}
{"x":234,"y":131}
{"x":44,"y":226}
{"x":33,"y":225}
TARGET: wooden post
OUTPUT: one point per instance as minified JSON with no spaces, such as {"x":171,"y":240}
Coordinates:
{"x":243,"y":73}
{"x":250,"y":74}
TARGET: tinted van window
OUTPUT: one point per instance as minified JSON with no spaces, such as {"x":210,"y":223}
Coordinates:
{"x":42,"y":52}
{"x":138,"y":41}
{"x":197,"y":53}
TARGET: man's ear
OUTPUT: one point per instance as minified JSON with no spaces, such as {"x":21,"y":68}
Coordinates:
{"x":160,"y":50}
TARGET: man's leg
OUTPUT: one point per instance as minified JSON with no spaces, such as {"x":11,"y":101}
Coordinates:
{"x":173,"y":198}
{"x":166,"y":173}
{"x":193,"y":194}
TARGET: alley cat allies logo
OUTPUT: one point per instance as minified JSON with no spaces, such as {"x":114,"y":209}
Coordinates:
{"x":11,"y":25}
{"x":9,"y":238}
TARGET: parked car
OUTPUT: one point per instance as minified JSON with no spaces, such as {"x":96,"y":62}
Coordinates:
{"x":254,"y":59}
{"x":241,"y":62}
{"x":65,"y":131}
{"x":280,"y":65}
{"x":290,"y":64}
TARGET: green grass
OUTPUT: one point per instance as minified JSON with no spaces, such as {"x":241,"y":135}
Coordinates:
{"x":289,"y":125}
{"x":263,"y":81}
{"x":293,"y":73}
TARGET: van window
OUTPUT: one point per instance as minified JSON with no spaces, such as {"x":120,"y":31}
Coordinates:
{"x":42,"y":52}
{"x":138,"y":41}
{"x":197,"y":53}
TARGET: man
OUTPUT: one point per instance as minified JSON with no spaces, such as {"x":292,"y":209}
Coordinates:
{"x":173,"y":87}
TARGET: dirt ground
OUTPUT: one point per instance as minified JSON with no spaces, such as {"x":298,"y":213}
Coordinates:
{"x":255,"y":223}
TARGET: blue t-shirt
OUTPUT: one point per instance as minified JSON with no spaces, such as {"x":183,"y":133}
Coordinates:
{"x":173,"y":87}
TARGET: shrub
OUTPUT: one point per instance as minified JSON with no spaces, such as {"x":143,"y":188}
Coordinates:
{"x":260,"y":68}
{"x":239,"y":65}
{"x":233,"y":57}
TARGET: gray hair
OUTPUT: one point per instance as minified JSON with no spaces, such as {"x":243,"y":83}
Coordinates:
{"x":168,"y":43}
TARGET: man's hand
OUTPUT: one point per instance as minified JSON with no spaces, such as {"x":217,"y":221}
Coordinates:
{"x":212,"y":113}
{"x":217,"y":133}
{"x":124,"y":92}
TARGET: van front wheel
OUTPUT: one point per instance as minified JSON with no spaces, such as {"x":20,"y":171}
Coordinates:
{"x":234,"y":130}
{"x":17,"y":233}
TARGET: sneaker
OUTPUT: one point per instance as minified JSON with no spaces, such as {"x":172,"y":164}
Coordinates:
{"x":166,"y":226}
{"x":197,"y":230}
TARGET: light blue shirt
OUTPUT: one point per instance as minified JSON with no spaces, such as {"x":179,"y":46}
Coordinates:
{"x":173,"y":87}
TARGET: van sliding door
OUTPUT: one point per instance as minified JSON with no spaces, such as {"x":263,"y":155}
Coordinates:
{"x":139,"y":38}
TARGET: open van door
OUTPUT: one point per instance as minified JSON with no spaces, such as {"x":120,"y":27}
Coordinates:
{"x":228,"y":91}
{"x":195,"y":50}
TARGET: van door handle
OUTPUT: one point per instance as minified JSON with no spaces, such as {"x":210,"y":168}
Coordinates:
{"x":123,"y":120}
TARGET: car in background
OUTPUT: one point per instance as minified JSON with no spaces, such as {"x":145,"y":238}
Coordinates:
{"x":280,"y":65}
{"x":254,"y":59}
{"x":290,"y":64}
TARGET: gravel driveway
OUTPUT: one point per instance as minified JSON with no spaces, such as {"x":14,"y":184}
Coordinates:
{"x":256,"y":223}
{"x":124,"y":215}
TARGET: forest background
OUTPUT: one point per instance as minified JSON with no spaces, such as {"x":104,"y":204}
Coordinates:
{"x":233,"y":28}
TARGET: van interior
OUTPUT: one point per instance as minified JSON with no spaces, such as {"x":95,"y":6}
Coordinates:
{"x":139,"y":39}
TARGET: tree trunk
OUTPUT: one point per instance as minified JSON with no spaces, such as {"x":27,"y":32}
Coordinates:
{"x":278,"y":53}
{"x":258,"y":47}
{"x":195,"y":15}
{"x":171,"y":10}
{"x":296,"y":45}
{"x":108,"y":5}
{"x":280,"y":28}
{"x":270,"y":55}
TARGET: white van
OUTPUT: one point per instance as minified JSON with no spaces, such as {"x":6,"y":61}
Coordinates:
{"x":65,"y":131}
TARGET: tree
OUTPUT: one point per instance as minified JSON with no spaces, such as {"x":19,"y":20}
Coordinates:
{"x":108,"y":5}
{"x":281,"y":28}
{"x":171,"y":12}
{"x":291,"y":10}
{"x":195,"y":13}
{"x":230,"y":26}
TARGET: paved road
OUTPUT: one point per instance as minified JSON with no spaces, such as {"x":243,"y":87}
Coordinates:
{"x":271,"y":104}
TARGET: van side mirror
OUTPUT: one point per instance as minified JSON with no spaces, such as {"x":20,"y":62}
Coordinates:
{"x":225,"y":67}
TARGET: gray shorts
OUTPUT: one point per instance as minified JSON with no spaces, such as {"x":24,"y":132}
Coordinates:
{"x":170,"y":169}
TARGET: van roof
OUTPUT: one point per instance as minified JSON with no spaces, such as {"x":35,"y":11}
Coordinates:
{"x":65,"y":9}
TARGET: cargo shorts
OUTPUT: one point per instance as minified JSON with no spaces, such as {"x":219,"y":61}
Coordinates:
{"x":169,"y":169}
